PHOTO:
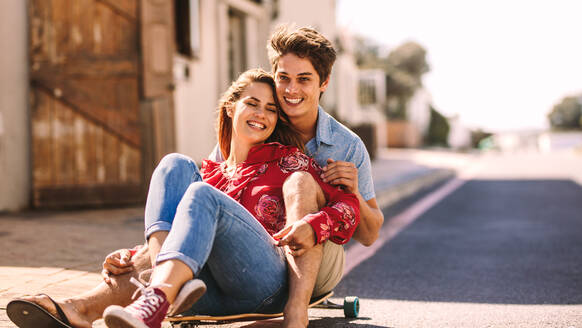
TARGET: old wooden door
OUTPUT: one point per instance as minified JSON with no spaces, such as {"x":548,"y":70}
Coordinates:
{"x":85,"y":102}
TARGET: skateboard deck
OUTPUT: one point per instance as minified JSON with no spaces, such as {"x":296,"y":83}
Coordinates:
{"x":320,"y":301}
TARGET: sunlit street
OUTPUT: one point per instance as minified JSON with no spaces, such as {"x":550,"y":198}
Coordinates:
{"x":223,"y":163}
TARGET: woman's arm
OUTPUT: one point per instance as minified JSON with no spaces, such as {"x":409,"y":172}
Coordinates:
{"x":338,"y":219}
{"x":371,"y":217}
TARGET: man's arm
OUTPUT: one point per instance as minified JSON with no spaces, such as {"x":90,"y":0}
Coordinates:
{"x":371,"y":220}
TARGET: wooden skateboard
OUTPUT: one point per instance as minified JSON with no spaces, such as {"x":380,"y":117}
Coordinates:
{"x":351,"y":309}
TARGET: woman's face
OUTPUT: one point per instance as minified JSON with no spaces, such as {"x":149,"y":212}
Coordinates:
{"x":254,"y":115}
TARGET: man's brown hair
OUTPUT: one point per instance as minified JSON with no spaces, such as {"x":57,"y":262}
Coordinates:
{"x":303,"y":42}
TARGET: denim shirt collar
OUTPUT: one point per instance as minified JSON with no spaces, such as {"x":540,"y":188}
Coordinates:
{"x":324,"y":131}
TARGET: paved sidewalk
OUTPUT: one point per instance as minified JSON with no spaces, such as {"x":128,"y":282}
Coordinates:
{"x":60,"y":252}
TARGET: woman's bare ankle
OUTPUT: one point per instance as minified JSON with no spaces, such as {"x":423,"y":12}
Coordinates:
{"x":82,"y":310}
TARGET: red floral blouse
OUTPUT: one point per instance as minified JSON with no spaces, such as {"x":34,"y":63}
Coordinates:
{"x":257,"y":184}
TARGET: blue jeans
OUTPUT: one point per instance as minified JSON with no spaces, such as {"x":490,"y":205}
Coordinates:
{"x":221,"y":242}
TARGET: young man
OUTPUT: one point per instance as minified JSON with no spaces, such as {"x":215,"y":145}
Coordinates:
{"x":302,"y":61}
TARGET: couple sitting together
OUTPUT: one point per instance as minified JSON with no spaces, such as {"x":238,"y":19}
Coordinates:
{"x":259,"y":227}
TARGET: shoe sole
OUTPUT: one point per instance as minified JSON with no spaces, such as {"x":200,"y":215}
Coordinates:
{"x":185,"y":299}
{"x":116,"y":317}
{"x":25,"y":314}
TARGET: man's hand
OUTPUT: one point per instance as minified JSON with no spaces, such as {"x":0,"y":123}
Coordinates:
{"x":341,"y":173}
{"x":299,"y":237}
{"x":116,"y":263}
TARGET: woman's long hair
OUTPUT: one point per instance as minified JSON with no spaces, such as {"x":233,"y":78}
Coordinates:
{"x":283,"y":133}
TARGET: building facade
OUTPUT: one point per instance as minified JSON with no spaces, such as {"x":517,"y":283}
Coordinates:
{"x":93,"y":93}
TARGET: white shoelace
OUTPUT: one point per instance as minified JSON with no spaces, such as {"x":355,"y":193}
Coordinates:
{"x":149,"y":301}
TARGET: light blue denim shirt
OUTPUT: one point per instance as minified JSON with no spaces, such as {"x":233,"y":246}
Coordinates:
{"x":334,"y":140}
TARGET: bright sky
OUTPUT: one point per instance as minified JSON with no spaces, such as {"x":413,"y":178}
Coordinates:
{"x":499,"y":64}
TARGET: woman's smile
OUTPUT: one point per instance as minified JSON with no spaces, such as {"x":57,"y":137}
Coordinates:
{"x":256,"y":125}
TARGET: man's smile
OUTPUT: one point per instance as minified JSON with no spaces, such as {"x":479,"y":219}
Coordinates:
{"x":293,"y":101}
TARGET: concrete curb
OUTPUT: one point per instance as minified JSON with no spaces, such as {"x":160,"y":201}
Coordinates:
{"x":407,"y":188}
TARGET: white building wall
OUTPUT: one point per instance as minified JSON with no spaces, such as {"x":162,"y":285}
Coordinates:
{"x":196,"y":96}
{"x":14,"y":123}
{"x":418,"y":110}
{"x":459,"y":135}
{"x":374,"y":113}
{"x":347,"y":79}
{"x":319,"y":14}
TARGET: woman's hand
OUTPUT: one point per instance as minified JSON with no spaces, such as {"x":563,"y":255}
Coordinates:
{"x":116,"y":263}
{"x":299,"y":237}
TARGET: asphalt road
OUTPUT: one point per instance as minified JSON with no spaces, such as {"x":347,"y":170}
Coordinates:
{"x":502,"y":250}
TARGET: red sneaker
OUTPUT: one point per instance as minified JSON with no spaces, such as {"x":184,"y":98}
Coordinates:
{"x":148,"y":311}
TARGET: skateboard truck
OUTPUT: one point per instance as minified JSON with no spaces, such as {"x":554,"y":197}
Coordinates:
{"x":351,"y":306}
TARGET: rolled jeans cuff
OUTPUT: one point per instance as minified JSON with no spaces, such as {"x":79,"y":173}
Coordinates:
{"x":173,"y":255}
{"x":157,"y":226}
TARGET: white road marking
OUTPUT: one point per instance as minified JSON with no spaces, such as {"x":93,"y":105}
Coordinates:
{"x":359,"y":253}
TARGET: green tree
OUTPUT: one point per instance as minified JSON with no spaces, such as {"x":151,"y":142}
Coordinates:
{"x":567,"y":114}
{"x":410,"y":58}
{"x":367,"y":53}
{"x":478,"y":136}
{"x":438,"y":129}
{"x":404,"y":67}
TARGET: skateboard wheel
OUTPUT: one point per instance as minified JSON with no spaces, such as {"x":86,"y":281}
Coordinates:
{"x":351,"y":306}
{"x":184,"y":325}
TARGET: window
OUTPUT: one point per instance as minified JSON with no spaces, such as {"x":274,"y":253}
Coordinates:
{"x":187,"y":18}
{"x":367,"y":92}
{"x":237,"y":52}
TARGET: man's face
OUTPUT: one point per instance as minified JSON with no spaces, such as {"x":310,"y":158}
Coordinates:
{"x":298,"y":86}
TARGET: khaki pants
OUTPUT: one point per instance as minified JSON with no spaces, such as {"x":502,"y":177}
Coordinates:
{"x":331,"y":269}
